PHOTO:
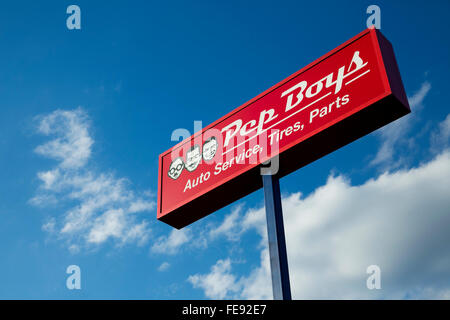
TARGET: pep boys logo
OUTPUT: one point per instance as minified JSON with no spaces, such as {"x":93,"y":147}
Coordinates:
{"x":237,"y":132}
{"x":193,"y":158}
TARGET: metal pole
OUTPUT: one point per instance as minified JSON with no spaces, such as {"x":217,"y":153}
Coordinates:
{"x":277,"y":243}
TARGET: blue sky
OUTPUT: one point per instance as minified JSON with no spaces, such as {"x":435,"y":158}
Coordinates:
{"x":85,"y":113}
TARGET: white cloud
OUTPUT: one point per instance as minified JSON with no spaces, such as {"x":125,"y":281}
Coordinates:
{"x":230,"y":226}
{"x":399,"y":221}
{"x":138,"y":232}
{"x":258,"y":285}
{"x":396,"y":133}
{"x":164,"y":266}
{"x":49,"y":226}
{"x":74,"y":249}
{"x":98,"y":205}
{"x":416,"y":100}
{"x":140,"y":205}
{"x":113,"y":223}
{"x":43,"y":200}
{"x":49,"y":178}
{"x":440,"y":138}
{"x":219,"y":283}
{"x":72,"y":143}
{"x":172,"y":243}
{"x":109,"y":224}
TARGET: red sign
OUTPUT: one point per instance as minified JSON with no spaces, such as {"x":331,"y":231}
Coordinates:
{"x":349,"y":92}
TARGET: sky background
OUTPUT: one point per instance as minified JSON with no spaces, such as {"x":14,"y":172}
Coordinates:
{"x":85,"y":113}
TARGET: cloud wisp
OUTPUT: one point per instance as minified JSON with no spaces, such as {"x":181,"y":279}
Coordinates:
{"x":440,"y":137}
{"x":173,"y":242}
{"x":396,"y":133}
{"x":97,"y":206}
{"x":220,"y":283}
{"x":164,"y":267}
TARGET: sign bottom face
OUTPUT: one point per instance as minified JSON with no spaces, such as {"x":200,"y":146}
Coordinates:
{"x":346,"y":94}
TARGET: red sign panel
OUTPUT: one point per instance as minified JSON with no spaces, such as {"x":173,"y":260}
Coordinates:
{"x":349,"y":92}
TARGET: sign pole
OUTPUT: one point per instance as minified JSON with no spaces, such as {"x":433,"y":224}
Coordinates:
{"x":277,"y":243}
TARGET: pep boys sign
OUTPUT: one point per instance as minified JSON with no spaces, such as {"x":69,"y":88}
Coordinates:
{"x":256,"y":127}
{"x":351,"y":91}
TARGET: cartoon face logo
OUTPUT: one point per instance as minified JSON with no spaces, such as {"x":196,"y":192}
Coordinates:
{"x":209,"y":148}
{"x":193,"y":158}
{"x":175,"y":169}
